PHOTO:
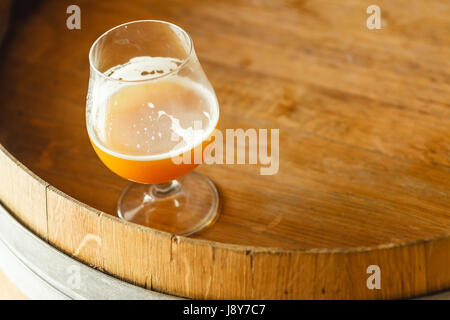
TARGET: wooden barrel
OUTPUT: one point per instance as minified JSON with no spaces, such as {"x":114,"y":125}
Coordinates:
{"x":363,"y":187}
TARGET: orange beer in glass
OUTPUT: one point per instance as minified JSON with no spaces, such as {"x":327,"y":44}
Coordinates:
{"x":150,"y":112}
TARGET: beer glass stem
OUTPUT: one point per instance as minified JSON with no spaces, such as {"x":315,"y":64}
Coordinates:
{"x":167,"y":189}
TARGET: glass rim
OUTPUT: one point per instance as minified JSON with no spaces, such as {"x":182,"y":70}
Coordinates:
{"x":184,"y":61}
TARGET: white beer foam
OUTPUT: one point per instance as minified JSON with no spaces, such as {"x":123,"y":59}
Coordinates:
{"x":143,"y":68}
{"x":189,"y":135}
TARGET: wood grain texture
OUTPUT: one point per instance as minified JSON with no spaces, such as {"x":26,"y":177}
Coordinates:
{"x":74,"y":228}
{"x":23,"y":193}
{"x":126,"y":251}
{"x":364,"y":119}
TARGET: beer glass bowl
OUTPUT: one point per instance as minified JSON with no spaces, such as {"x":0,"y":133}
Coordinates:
{"x":150,"y":113}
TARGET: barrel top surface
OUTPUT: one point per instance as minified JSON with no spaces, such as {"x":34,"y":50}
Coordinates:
{"x":364,"y":115}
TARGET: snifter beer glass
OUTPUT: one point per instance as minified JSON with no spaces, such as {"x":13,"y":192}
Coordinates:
{"x":150,"y":108}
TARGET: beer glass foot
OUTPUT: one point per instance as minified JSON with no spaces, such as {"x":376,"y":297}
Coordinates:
{"x":184,"y":206}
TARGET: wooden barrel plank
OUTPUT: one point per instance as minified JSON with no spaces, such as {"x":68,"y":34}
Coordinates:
{"x":24,"y":193}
